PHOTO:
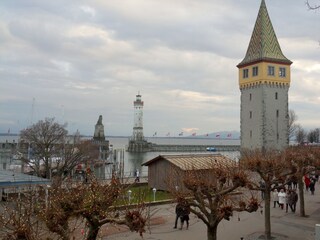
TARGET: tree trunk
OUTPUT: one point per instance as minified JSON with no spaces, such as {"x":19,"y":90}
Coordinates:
{"x":64,"y":233}
{"x":212,"y":232}
{"x":267,"y":219}
{"x":93,"y":231}
{"x":301,"y":197}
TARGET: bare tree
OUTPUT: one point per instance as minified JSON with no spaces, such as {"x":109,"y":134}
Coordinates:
{"x":293,"y":126}
{"x":82,"y":152}
{"x":273,"y":169}
{"x":45,"y":141}
{"x":300,"y":135}
{"x":211,"y":194}
{"x":313,"y":136}
{"x":49,"y":153}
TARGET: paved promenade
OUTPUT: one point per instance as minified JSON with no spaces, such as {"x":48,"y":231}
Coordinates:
{"x":285,"y":226}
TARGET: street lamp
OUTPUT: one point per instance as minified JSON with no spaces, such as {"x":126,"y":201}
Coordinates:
{"x":129,"y":196}
{"x":154,"y":194}
{"x":47,"y":195}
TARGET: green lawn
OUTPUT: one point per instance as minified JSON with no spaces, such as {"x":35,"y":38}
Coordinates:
{"x":145,"y":194}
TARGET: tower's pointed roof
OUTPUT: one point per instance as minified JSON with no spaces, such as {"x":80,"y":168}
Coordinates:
{"x":264,"y":45}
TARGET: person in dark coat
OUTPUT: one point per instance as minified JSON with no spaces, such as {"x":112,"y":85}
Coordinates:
{"x":179,"y":211}
{"x":312,"y":186}
{"x":293,"y":199}
{"x":185,"y":214}
{"x":295,"y":182}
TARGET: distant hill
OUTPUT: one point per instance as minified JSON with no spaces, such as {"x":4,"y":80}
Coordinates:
{"x":220,"y":135}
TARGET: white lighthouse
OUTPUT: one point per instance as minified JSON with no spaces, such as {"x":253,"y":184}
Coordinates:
{"x":138,"y":119}
{"x":137,"y":143}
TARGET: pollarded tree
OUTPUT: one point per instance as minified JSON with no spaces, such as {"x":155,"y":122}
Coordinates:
{"x":273,"y":170}
{"x":18,"y":218}
{"x":213,"y":192}
{"x":305,"y":159}
{"x":96,"y":202}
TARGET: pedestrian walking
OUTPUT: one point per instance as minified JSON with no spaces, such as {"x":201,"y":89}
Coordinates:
{"x":307,"y":182}
{"x":275,"y":198}
{"x":185,"y":214}
{"x":262,"y":188}
{"x":287,"y":199}
{"x":282,"y":198}
{"x":293,"y":199}
{"x":179,"y":211}
{"x":137,"y":175}
{"x":295,"y":182}
{"x":312,"y":187}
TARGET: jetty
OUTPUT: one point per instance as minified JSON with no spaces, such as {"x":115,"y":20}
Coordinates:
{"x":151,"y":147}
{"x":192,"y":148}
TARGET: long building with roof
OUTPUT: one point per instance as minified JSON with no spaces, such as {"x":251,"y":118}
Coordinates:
{"x":165,"y":169}
{"x":264,"y":80}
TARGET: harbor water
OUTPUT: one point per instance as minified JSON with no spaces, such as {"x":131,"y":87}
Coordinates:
{"x":131,"y":162}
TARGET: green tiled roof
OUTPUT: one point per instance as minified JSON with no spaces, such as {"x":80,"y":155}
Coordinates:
{"x":264,"y":45}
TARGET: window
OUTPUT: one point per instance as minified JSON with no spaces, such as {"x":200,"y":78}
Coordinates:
{"x":245,"y":73}
{"x":250,"y":133}
{"x":282,"y":72}
{"x":250,"y":97}
{"x":250,"y":114}
{"x":276,"y":95}
{"x":255,"y":71}
{"x":271,"y":70}
{"x":277,"y":113}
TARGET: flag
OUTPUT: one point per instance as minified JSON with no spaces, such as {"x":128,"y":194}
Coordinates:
{"x":229,"y":135}
{"x":218,"y":135}
{"x":181,"y":134}
{"x":193,"y":134}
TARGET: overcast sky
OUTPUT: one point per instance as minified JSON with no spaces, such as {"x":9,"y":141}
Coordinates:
{"x":75,"y":60}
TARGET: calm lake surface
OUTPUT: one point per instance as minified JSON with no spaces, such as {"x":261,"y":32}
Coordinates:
{"x":133,"y":161}
{"x":130,"y":162}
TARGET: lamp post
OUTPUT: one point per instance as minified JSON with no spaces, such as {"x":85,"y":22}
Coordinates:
{"x":47,"y":195}
{"x":154,"y":194}
{"x":129,"y":196}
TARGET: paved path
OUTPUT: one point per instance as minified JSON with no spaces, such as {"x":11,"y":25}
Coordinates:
{"x":285,"y":226}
